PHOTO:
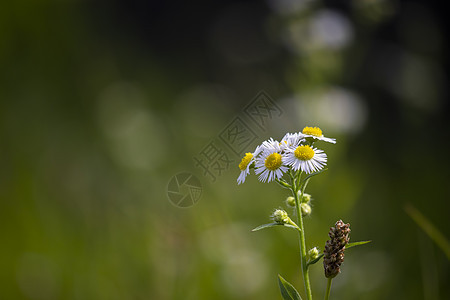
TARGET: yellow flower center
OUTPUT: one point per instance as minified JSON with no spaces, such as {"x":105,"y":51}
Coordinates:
{"x":245,"y":161}
{"x":304,"y":152}
{"x":312,"y":131}
{"x":273,"y":161}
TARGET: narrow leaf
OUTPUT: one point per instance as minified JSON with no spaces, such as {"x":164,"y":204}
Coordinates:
{"x":288,"y":291}
{"x":349,"y":245}
{"x":290,"y":226}
{"x":272,"y":225}
{"x":266,"y":226}
{"x":432,"y":231}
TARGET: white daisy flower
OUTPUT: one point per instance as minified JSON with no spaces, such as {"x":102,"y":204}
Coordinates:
{"x":270,"y":164}
{"x":245,"y":164}
{"x":271,"y":145}
{"x":291,"y":140}
{"x":316,"y":133}
{"x":306,"y":158}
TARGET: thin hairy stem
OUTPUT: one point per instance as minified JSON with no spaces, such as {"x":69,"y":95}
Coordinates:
{"x":302,"y":240}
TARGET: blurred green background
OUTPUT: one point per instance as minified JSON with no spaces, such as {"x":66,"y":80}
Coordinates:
{"x":102,"y":102}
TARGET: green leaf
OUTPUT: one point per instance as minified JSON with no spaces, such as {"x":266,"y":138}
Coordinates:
{"x":288,"y":291}
{"x":272,"y":225}
{"x":349,"y":245}
{"x":266,"y":226}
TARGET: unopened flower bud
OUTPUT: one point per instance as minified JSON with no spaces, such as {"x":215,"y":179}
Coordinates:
{"x":313,"y":253}
{"x":306,"y":197}
{"x":280,"y":216}
{"x":290,"y":201}
{"x":306,"y":209}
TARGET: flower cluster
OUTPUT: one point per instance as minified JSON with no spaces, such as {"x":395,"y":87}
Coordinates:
{"x":295,"y":151}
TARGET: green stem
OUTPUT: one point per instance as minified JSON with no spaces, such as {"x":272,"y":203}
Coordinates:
{"x":295,"y":225}
{"x":302,"y":243}
{"x":327,"y":294}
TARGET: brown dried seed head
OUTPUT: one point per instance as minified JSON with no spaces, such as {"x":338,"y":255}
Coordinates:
{"x":334,"y":248}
